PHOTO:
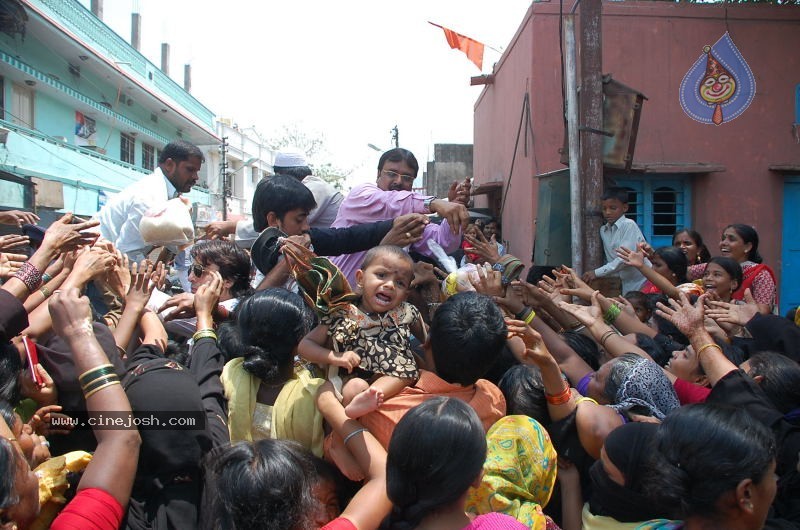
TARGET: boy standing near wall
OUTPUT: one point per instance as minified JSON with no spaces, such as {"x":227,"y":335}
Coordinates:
{"x":618,"y":231}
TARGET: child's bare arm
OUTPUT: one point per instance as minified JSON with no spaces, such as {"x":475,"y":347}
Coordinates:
{"x":420,"y":330}
{"x":313,"y":349}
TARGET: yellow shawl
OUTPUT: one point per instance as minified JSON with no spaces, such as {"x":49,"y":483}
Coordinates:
{"x":294,"y":414}
{"x":519,"y":472}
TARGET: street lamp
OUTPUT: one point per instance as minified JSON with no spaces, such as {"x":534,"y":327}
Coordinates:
{"x":375,"y":147}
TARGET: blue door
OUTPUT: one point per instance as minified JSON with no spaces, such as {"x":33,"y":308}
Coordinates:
{"x":790,"y":245}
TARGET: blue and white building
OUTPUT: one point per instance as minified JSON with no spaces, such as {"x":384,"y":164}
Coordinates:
{"x":82,"y":113}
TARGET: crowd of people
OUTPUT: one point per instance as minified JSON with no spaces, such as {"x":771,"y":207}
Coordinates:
{"x":382,"y":359}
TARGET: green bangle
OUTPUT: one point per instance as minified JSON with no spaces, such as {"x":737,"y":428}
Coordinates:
{"x":46,"y":278}
{"x":530,"y":317}
{"x":93,"y":373}
{"x":611,"y":314}
{"x":97,"y":383}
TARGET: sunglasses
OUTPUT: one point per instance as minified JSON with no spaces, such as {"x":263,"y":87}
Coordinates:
{"x":197,"y":269}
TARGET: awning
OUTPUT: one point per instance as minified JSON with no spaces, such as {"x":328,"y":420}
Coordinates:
{"x":676,"y":167}
{"x":785,"y":168}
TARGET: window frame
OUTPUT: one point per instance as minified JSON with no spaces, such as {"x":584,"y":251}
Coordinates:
{"x":148,"y":162}
{"x":643,"y":211}
{"x":123,"y":139}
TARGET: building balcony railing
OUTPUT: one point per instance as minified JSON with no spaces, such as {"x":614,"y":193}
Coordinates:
{"x":92,"y":31}
{"x":58,"y":85}
{"x":78,"y":149}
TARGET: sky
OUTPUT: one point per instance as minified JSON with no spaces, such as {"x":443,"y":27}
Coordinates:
{"x":347,"y":71}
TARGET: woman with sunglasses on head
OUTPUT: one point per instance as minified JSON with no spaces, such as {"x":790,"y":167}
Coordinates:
{"x":217,"y":255}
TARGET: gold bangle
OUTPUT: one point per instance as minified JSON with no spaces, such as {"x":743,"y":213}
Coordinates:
{"x":705,"y":346}
{"x":45,"y":291}
{"x":204,"y":334}
{"x":98,"y":389}
{"x":606,"y":336}
{"x":581,"y":400}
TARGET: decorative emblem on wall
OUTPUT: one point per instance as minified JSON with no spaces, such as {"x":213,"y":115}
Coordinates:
{"x":719,"y":86}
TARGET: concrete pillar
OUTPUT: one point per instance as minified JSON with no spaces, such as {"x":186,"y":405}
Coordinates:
{"x":165,"y":57}
{"x":187,"y":77}
{"x":136,"y":31}
{"x":97,"y":8}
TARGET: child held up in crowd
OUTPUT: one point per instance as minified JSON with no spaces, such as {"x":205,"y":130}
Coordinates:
{"x":371,"y":340}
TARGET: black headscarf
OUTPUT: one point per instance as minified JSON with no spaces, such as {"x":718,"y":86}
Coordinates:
{"x":627,"y":447}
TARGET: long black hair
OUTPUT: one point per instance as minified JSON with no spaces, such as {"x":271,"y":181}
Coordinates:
{"x":748,"y":235}
{"x":436,"y":452}
{"x":702,"y":452}
{"x":268,"y":327}
{"x":260,"y":485}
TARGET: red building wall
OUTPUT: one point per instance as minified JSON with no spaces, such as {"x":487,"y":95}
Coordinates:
{"x":650,"y":46}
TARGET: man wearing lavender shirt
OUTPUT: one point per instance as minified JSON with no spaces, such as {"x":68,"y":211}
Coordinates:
{"x":390,"y":197}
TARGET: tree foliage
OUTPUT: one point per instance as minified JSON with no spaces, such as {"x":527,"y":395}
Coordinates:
{"x":312,"y":143}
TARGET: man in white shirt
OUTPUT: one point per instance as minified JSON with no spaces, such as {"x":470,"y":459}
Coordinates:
{"x":178,"y":168}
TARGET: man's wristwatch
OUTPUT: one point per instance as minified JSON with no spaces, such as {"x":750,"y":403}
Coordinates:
{"x":427,"y":203}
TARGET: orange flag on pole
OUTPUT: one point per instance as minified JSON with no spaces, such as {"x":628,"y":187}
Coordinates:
{"x":472,"y":48}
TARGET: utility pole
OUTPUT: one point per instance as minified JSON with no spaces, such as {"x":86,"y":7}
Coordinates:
{"x":591,"y":121}
{"x":223,"y":167}
{"x":575,"y":182}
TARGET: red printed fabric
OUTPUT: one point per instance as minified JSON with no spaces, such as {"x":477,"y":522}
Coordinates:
{"x":761,"y":281}
{"x":91,"y":509}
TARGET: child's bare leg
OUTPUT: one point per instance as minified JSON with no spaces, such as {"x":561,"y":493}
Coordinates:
{"x":352,"y":388}
{"x":372,"y":398}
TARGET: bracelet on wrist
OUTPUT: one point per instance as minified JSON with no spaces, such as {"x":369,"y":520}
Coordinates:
{"x":530,"y":317}
{"x":357,"y":431}
{"x":29,"y":275}
{"x":206,"y":333}
{"x":93,"y":373}
{"x":523,"y":313}
{"x":46,"y":277}
{"x":612,"y":313}
{"x":704,"y":347}
{"x":608,"y":334}
{"x":561,"y":398}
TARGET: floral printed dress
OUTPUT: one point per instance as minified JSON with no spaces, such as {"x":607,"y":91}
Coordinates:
{"x":383,"y":341}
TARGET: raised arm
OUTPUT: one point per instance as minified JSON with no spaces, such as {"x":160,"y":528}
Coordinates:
{"x":113,"y":466}
{"x":635,"y":258}
{"x":688,"y":319}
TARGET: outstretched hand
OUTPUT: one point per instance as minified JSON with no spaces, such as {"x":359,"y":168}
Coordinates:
{"x":738,"y":314}
{"x":685,"y":316}
{"x":586,"y":315}
{"x":62,"y":235}
{"x":535,"y":350}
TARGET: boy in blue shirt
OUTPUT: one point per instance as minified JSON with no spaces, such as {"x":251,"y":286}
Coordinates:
{"x":618,"y":231}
